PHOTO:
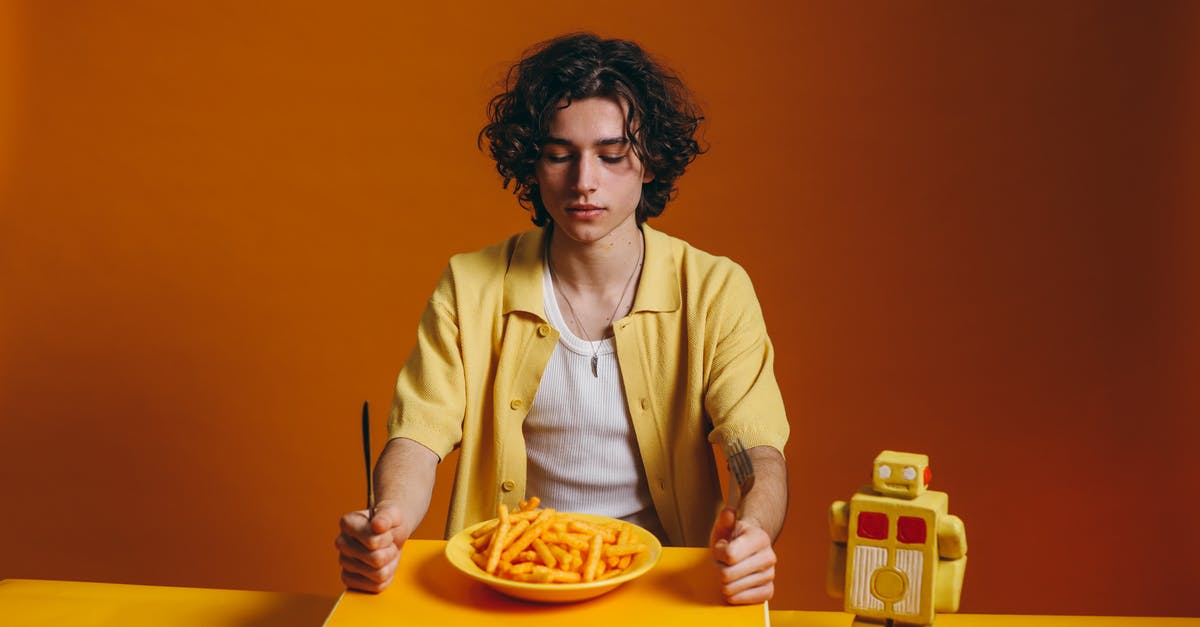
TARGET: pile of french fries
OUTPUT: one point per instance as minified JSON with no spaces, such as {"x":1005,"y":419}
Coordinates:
{"x":544,"y":546}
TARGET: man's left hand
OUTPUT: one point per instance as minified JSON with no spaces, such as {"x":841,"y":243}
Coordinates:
{"x":745,"y":559}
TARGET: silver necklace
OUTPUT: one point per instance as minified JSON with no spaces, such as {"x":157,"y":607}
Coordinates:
{"x":595,"y":345}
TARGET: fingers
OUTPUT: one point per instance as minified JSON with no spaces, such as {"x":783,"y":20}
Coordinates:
{"x":386,"y":517}
{"x":749,"y":586}
{"x":746,"y":540}
{"x":758,"y":561}
{"x":746,"y":564}
{"x":378,"y":574}
{"x":358,"y":582}
{"x":368,"y":552}
{"x":355,"y":525}
{"x":375,"y":559}
{"x":753,"y":594}
{"x":722,"y":527}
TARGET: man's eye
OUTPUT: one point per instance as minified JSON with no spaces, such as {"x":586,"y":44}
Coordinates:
{"x":612,"y":158}
{"x":558,"y":158}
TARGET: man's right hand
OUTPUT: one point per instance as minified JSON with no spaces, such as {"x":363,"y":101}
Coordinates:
{"x":369,"y":549}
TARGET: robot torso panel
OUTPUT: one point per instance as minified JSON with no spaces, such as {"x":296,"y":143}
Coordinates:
{"x":893,"y":556}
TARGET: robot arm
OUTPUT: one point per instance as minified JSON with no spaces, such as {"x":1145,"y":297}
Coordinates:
{"x":839,"y":521}
{"x":839,"y":532}
{"x":952,"y":549}
{"x":952,"y":537}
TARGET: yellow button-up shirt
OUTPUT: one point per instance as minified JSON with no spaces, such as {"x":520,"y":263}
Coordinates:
{"x":696,"y":365}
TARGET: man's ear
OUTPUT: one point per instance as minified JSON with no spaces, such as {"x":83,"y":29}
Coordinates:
{"x":647,"y":177}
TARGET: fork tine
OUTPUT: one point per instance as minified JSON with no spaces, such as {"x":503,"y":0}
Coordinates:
{"x":742,"y":470}
{"x":739,"y":462}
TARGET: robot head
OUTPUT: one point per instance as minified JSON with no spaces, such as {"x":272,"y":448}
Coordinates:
{"x":905,"y":475}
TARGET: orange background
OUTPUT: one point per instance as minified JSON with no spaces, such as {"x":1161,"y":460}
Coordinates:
{"x":972,"y":226}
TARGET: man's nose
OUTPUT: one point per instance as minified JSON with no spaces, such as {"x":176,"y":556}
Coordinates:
{"x":587,"y":175}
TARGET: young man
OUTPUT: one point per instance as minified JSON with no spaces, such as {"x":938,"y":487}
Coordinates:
{"x":591,"y":362}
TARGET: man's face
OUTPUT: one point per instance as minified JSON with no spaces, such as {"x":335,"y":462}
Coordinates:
{"x":590,"y":178}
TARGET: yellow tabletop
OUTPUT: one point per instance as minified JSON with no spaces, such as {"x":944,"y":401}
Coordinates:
{"x":838,"y":619}
{"x":681,"y":590}
{"x":428,"y":591}
{"x":37,"y":603}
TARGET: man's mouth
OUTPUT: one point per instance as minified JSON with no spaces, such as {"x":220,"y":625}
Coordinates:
{"x":584,"y":210}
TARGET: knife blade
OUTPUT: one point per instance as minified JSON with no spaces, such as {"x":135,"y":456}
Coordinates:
{"x":366,"y":441}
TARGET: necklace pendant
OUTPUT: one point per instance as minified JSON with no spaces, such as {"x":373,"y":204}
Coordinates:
{"x":595,"y":361}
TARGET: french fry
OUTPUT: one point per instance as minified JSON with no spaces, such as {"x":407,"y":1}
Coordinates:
{"x":609,"y":574}
{"x":486,"y":529}
{"x":496,"y":546}
{"x":527,"y":536}
{"x":579,"y":526}
{"x":625,"y":535}
{"x":560,"y":554}
{"x":524,"y":556}
{"x":593,"y":558}
{"x":562,"y":576}
{"x":481,"y":543}
{"x":518,"y":528}
{"x":542,"y":574}
{"x":620,"y":550}
{"x":544,"y":553}
{"x":572,"y":540}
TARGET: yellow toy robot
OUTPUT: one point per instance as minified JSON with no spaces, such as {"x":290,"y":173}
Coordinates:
{"x":897,"y":555}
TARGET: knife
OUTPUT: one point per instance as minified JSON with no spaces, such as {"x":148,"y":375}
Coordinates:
{"x":366,"y":441}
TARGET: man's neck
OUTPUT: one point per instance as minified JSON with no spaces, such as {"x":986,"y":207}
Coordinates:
{"x":596,"y":266}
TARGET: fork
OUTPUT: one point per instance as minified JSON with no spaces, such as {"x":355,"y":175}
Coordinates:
{"x":738,"y":460}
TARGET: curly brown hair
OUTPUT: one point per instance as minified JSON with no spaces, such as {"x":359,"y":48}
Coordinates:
{"x":661,"y":121}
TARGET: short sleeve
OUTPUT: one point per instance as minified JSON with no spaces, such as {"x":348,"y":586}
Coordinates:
{"x":429,"y":400}
{"x":742,"y":396}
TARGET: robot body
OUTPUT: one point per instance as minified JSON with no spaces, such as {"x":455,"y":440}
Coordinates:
{"x":892,"y":557}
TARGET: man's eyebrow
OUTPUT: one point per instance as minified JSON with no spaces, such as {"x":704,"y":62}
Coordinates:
{"x":608,"y":141}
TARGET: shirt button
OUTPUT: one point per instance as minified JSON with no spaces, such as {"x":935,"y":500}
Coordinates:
{"x":543,"y":330}
{"x":645,"y":403}
{"x":516,"y":403}
{"x":509,"y":485}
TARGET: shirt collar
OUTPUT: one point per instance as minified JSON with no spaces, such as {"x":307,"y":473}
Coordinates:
{"x":658,"y":287}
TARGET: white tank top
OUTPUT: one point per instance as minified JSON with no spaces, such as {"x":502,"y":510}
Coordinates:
{"x":582,"y":452}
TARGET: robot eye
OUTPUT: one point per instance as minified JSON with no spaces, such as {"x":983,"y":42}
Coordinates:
{"x":910,"y":473}
{"x":885,"y":471}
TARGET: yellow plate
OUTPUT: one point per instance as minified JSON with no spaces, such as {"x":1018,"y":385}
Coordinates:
{"x":459,"y":549}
